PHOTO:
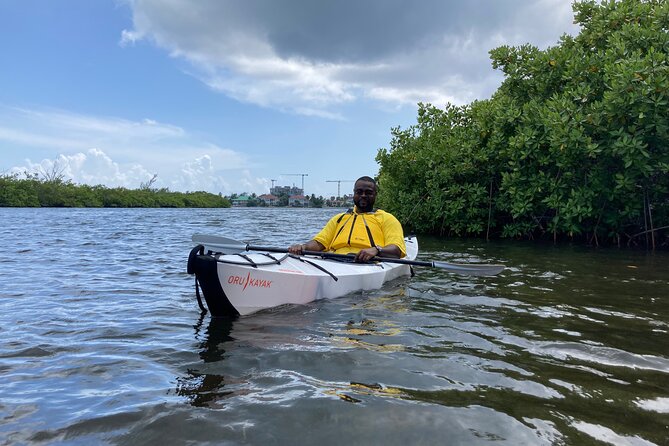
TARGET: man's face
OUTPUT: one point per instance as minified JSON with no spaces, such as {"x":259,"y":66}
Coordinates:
{"x":364,"y":195}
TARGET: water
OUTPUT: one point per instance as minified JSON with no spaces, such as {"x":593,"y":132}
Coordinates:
{"x":102,"y":342}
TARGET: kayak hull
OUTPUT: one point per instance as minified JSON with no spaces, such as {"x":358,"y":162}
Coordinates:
{"x":241,"y":284}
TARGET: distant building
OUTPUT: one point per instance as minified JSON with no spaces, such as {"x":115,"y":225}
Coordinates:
{"x":286,"y":190}
{"x":298,"y":201}
{"x":269,"y":199}
{"x":343,"y":202}
{"x":241,"y":201}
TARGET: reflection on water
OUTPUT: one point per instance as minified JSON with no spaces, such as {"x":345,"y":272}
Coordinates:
{"x":201,"y":389}
{"x":101,"y":341}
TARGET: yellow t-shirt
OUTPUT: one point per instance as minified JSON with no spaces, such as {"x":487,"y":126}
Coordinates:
{"x":349,"y":232}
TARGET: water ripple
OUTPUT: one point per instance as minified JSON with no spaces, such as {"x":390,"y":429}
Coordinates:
{"x":101,"y":341}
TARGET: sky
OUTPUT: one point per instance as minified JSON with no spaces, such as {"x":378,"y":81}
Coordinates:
{"x":232,"y":96}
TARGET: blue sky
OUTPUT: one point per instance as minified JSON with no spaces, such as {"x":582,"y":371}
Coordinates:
{"x":226,"y":96}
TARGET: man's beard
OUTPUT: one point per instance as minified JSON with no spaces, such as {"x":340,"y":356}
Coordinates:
{"x":367,"y":208}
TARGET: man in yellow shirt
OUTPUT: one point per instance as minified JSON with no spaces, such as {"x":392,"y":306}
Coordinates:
{"x":362,"y":230}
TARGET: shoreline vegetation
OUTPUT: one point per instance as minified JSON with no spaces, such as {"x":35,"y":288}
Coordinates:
{"x":52,"y":191}
{"x":573,"y":146}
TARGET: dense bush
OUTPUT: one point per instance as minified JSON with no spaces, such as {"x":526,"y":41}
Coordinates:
{"x":574,"y":144}
{"x":33,"y":192}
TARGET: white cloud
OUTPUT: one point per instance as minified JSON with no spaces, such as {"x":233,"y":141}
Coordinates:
{"x":93,"y":167}
{"x":96,"y":167}
{"x":313,"y":57}
{"x":202,"y":174}
{"x":118,"y":152}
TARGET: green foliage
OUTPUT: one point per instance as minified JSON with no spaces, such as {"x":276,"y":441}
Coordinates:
{"x":33,"y":192}
{"x":316,"y":202}
{"x":283,"y":199}
{"x":14,"y":192}
{"x":574,"y":143}
{"x":254,"y":201}
{"x":434,"y":170}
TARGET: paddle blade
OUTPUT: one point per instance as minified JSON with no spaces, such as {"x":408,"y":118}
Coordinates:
{"x":217,"y":243}
{"x":470,"y":269}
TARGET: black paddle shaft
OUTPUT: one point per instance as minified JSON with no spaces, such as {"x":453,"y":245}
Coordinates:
{"x":332,"y":255}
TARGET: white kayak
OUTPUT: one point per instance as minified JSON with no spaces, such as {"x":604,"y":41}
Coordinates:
{"x":245,"y":282}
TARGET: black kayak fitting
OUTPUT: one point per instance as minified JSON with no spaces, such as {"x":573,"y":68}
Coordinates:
{"x":205,"y":268}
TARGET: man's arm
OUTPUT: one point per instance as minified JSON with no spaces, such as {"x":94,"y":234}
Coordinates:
{"x":311,"y":245}
{"x":390,"y":251}
{"x":394,"y":236}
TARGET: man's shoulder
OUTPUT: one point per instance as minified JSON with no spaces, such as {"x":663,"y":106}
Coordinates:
{"x":386,"y":218}
{"x":383,"y":215}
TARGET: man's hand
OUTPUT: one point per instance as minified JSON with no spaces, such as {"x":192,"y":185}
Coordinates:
{"x":296,"y":249}
{"x":311,"y":245}
{"x":365,"y":255}
{"x":389,"y":251}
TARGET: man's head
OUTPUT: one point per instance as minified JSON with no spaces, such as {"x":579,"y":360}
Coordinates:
{"x":364,"y":194}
